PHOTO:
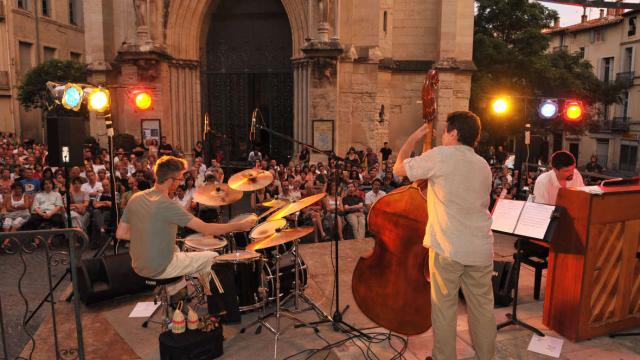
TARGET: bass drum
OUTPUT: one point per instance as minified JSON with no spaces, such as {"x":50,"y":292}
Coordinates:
{"x":287,"y":275}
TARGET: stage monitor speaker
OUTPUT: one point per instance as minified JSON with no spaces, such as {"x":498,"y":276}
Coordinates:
{"x":65,"y":138}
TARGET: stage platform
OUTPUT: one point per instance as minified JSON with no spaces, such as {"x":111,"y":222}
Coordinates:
{"x":110,"y":334}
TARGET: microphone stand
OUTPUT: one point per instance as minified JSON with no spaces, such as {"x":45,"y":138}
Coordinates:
{"x":336,"y":319}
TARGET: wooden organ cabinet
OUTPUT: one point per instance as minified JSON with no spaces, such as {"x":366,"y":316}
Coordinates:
{"x":593,"y":279}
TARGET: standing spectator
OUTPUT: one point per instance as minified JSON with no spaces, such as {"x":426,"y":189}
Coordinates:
{"x":501,"y":156}
{"x":152,"y":146}
{"x":354,"y":208}
{"x":31,"y":185}
{"x":385,"y":151}
{"x":254,"y":156}
{"x":304,"y":156}
{"x":594,"y":166}
{"x":198,"y":149}
{"x":165,"y":149}
{"x":139,"y":149}
{"x":371,"y":158}
{"x":92,"y":187}
{"x":352,"y":158}
{"x":373,"y":195}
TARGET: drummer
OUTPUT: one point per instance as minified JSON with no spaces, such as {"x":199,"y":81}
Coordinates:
{"x":151,"y":219}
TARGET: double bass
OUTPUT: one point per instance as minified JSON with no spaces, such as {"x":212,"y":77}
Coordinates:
{"x":391,"y":283}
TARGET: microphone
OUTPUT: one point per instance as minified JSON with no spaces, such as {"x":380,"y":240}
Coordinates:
{"x":527,"y":134}
{"x":252,"y":131}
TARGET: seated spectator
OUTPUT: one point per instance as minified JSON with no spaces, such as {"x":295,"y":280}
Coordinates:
{"x":329,"y":219}
{"x":354,"y":210}
{"x":16,"y":205}
{"x":46,"y":208}
{"x":92,"y":187}
{"x":388,"y":182}
{"x":31,"y":185}
{"x":312,"y":215}
{"x":373,"y":195}
{"x":79,"y":204}
{"x":101,"y":214}
{"x":181,"y":198}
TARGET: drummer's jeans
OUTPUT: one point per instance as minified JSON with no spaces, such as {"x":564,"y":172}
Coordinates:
{"x":446,"y":278}
{"x":186,"y":263}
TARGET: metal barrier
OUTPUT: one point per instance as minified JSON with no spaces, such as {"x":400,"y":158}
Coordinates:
{"x":21,"y":242}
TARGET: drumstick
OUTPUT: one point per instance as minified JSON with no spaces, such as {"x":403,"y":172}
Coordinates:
{"x":217,"y":282}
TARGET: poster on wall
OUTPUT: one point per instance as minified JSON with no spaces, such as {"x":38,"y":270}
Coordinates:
{"x":151,"y":131}
{"x":323,"y":132}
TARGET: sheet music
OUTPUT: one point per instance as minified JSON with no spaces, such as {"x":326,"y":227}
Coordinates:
{"x":534,"y":220}
{"x":505,"y":215}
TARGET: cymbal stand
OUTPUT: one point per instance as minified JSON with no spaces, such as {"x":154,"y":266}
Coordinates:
{"x":298,"y":295}
{"x":278,"y":313}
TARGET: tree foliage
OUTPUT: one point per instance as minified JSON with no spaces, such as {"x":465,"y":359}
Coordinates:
{"x":510,"y":52}
{"x":33,"y":92}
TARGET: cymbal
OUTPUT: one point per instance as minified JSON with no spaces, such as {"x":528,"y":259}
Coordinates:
{"x":274,"y":203}
{"x":250,"y":180}
{"x":216,"y":194}
{"x":296,"y":206}
{"x":280,"y":237}
{"x":267,"y":228}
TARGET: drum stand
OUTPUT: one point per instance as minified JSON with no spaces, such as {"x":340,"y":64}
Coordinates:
{"x":278,"y":313}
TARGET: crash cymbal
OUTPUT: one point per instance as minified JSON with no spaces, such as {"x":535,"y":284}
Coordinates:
{"x":216,"y":195}
{"x":280,"y":237}
{"x":267,"y":228}
{"x":296,"y":206}
{"x":250,"y":180}
{"x":274,"y":203}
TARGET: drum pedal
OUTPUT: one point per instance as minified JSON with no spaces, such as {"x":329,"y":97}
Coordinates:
{"x":258,"y":330}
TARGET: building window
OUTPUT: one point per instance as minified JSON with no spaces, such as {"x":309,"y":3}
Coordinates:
{"x":602,"y":151}
{"x":49,"y":53}
{"x":632,"y":26}
{"x":581,"y":52}
{"x":597,"y":35}
{"x":385,"y":16}
{"x":628,"y":157}
{"x":74,"y":12}
{"x":46,"y":8}
{"x":24,"y":54}
{"x":75,"y":56}
{"x":22,"y":4}
{"x":607,"y":69}
{"x":627,"y":59}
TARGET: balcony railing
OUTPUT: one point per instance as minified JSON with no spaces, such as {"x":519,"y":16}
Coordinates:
{"x":560,"y":48}
{"x":626,"y":77}
{"x":617,"y":124}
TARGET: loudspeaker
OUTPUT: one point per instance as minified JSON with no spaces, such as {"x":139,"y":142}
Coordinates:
{"x":65,"y":138}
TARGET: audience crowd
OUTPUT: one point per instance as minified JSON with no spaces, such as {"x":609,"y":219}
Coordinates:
{"x":34,"y":197}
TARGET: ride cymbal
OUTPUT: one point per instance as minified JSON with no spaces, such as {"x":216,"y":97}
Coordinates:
{"x":296,"y":206}
{"x":216,"y":195}
{"x":250,"y":180}
{"x":281,"y":236}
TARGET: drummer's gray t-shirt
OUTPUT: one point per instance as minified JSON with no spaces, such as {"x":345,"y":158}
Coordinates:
{"x":154,"y":221}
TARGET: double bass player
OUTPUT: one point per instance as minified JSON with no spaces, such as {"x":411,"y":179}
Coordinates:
{"x":458,"y":232}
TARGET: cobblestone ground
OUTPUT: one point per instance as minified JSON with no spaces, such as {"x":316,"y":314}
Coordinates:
{"x":34,"y":286}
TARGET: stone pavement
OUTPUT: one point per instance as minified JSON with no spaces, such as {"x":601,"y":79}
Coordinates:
{"x":109,"y":333}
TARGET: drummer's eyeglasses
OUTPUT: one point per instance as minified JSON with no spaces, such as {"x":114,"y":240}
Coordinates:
{"x":178,"y":179}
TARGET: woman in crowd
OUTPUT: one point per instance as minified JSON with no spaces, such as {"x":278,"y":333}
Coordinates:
{"x":330,"y":207}
{"x":17,"y":207}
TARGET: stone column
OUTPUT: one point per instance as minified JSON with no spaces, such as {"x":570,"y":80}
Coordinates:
{"x":336,"y":20}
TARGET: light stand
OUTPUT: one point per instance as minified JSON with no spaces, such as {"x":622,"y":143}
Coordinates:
{"x":112,"y":180}
{"x":336,"y":320}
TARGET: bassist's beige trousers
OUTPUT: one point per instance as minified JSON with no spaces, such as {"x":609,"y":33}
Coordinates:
{"x":446,"y":278}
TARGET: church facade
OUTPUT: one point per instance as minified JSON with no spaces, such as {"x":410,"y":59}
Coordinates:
{"x":332,"y":73}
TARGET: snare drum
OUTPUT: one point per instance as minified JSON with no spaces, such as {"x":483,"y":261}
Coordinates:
{"x":199,"y":242}
{"x":247,"y":267}
{"x":241,"y":238}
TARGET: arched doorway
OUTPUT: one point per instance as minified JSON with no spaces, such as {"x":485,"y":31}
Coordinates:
{"x":246,"y":66}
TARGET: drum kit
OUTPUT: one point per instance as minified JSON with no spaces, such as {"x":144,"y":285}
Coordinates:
{"x":265,"y":261}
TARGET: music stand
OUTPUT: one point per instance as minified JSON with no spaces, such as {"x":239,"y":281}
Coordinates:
{"x":520,"y":218}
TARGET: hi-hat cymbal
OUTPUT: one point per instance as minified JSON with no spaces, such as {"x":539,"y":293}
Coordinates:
{"x":216,"y":194}
{"x":280,"y":237}
{"x":274,"y":203}
{"x":296,"y":206}
{"x":250,"y":180}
